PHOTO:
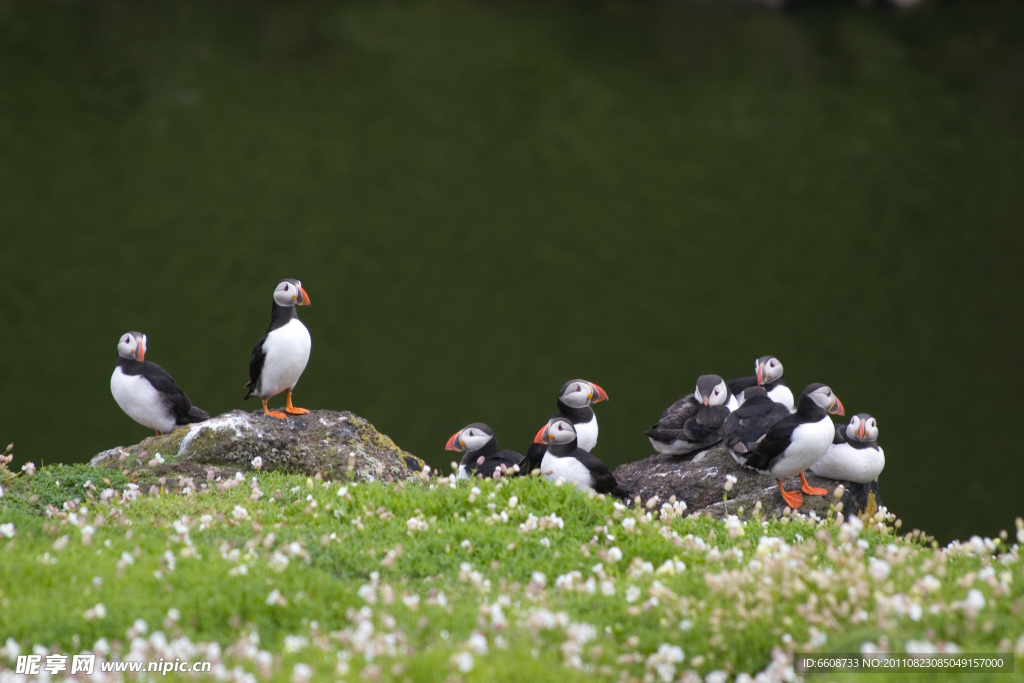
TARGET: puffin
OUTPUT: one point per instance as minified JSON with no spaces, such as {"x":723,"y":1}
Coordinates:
{"x":694,"y":422}
{"x":574,"y":401}
{"x":280,"y":355}
{"x":797,"y":441}
{"x":482,"y":457}
{"x":747,"y":425}
{"x":767,"y":373}
{"x":564,"y":459}
{"x":854,"y":454}
{"x":147,"y":392}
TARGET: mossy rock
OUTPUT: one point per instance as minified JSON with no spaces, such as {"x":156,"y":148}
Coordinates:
{"x":338,"y":446}
{"x":699,"y":481}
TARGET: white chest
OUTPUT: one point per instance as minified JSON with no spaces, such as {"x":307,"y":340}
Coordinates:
{"x":141,"y":402}
{"x":782,"y":394}
{"x":569,"y":469}
{"x":807,"y":444}
{"x":287,"y":352}
{"x":844,"y":462}
{"x":586,"y":434}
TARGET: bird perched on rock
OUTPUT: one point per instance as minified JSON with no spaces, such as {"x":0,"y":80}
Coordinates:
{"x":482,"y":457}
{"x":854,"y":454}
{"x":746,"y":426}
{"x":797,"y":441}
{"x":767,"y":373}
{"x":574,"y":401}
{"x":280,"y":355}
{"x":694,"y":422}
{"x":147,"y":392}
{"x":564,"y":459}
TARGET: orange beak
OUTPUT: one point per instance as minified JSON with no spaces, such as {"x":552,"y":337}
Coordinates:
{"x":453,"y":442}
{"x":542,"y":435}
{"x":760,"y":374}
{"x":305,"y":297}
{"x":837,"y":407}
{"x":141,"y":354}
{"x":602,"y":395}
{"x":862,"y":430}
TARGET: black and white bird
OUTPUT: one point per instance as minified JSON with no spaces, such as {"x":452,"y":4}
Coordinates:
{"x":797,"y":441}
{"x":767,"y":373}
{"x":574,"y":401}
{"x":854,"y":454}
{"x":481,"y":455}
{"x":746,"y":426}
{"x":147,"y":392}
{"x":564,"y":459}
{"x":280,"y":355}
{"x":694,"y":422}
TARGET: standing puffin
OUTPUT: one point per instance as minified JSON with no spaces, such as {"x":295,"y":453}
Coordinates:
{"x":147,"y":392}
{"x":574,"y":402}
{"x":695,"y":421}
{"x":767,"y":373}
{"x":482,"y":457}
{"x":797,"y":441}
{"x":747,"y":425}
{"x":280,"y":355}
{"x":854,"y":454}
{"x":564,"y":459}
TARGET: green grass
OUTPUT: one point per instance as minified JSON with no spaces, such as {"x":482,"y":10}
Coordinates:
{"x":509,"y":580}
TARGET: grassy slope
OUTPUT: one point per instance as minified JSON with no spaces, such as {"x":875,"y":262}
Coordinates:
{"x":511,"y":580}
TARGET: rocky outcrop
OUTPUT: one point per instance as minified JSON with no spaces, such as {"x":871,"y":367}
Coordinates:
{"x":338,"y":446}
{"x":700,"y":481}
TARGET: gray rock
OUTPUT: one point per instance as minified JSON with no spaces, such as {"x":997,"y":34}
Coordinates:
{"x":338,"y":446}
{"x":699,"y":481}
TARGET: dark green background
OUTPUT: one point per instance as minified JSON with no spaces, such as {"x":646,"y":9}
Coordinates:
{"x":484,"y":200}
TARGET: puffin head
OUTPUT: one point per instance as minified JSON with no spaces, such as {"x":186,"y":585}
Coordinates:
{"x":471,"y":438}
{"x":711,"y":390}
{"x":132,"y":345}
{"x":289,"y":292}
{"x":558,"y":430}
{"x":862,"y":427}
{"x":768,"y":369}
{"x":823,"y":396}
{"x":579,"y":392}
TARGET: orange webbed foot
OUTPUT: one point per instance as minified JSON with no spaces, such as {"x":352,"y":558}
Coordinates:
{"x":292,"y":410}
{"x":793,"y":498}
{"x":273,"y":413}
{"x":806,"y":487}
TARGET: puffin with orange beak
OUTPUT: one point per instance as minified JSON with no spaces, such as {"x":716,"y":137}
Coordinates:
{"x":695,"y":422}
{"x":767,"y":374}
{"x":798,"y":441}
{"x":147,"y":392}
{"x":854,"y":454}
{"x":564,"y":459}
{"x":482,"y":457}
{"x":574,"y":401}
{"x":280,"y":356}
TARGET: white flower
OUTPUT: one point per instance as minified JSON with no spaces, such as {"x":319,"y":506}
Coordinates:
{"x":975,"y":602}
{"x":302,"y":673}
{"x":614,"y":554}
{"x":257,"y":463}
{"x":7,"y":530}
{"x":463,"y":661}
{"x":729,"y":481}
{"x":240,"y":513}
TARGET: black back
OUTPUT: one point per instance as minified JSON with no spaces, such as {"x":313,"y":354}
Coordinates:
{"x":689,"y":420}
{"x":746,"y":425}
{"x":174,"y":398}
{"x":492,"y":460}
